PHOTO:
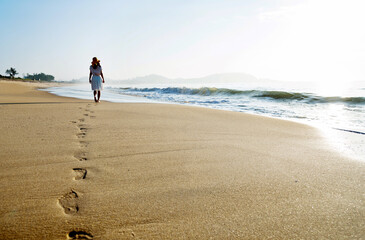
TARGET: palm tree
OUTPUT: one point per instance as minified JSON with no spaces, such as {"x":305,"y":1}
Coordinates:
{"x":11,"y":72}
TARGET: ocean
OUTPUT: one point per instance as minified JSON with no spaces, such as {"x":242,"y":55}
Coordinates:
{"x":338,"y":111}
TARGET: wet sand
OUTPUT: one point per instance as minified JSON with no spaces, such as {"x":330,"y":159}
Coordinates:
{"x":72,"y":168}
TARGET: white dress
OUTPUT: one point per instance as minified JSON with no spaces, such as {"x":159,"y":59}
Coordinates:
{"x":96,"y":81}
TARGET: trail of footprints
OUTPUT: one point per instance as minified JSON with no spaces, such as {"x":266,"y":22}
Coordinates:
{"x":69,"y":201}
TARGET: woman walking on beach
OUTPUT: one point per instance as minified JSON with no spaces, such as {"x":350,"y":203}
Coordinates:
{"x":96,"y":78}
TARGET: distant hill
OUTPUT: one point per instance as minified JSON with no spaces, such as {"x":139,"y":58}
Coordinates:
{"x":154,"y":79}
{"x":224,"y":78}
{"x":80,"y":80}
{"x":149,"y":79}
{"x":210,"y":79}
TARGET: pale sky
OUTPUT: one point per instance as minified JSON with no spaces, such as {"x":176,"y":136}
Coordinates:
{"x":290,"y":40}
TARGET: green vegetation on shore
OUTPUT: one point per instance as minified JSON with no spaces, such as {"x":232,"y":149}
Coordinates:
{"x":11,"y":72}
{"x":29,"y":77}
{"x":39,"y":76}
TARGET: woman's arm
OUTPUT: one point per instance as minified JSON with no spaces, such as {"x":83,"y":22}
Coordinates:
{"x":90,"y":76}
{"x":101,"y":74}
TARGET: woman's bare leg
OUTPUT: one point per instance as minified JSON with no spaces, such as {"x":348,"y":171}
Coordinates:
{"x":95,"y":96}
{"x":99,"y":92}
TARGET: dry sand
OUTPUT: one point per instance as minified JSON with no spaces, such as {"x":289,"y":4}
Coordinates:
{"x":71,"y":168}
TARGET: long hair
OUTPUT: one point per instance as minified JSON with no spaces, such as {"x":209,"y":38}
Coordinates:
{"x":95,"y":63}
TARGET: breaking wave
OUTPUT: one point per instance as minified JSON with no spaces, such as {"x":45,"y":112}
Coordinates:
{"x":272,"y":95}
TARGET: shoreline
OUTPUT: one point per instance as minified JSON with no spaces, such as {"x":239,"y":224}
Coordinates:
{"x":334,"y":139}
{"x":71,"y":167}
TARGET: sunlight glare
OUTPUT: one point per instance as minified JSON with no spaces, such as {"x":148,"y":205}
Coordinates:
{"x":331,"y":89}
{"x":319,"y":41}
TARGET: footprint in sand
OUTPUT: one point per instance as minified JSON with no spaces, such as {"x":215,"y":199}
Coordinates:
{"x":83,"y":129}
{"x":92,"y":116}
{"x":80,"y":173}
{"x":81,"y":135}
{"x":83,"y":144}
{"x":81,"y":156}
{"x":81,"y":119}
{"x":86,"y":114}
{"x":79,"y":235}
{"x":69,"y":202}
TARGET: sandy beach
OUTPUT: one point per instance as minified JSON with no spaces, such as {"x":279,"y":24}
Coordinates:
{"x":74,"y":169}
